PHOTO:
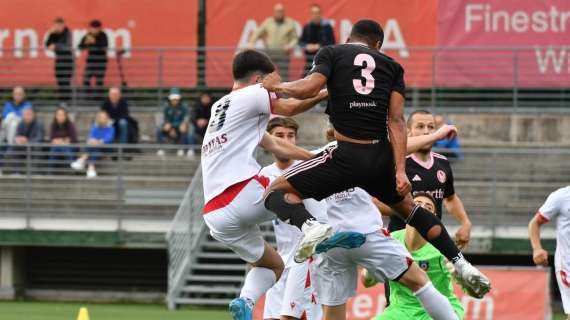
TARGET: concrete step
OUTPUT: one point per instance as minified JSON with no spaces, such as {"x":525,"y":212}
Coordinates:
{"x":224,"y":267}
{"x":204,"y":301}
{"x":211,"y":289}
{"x":214,"y":278}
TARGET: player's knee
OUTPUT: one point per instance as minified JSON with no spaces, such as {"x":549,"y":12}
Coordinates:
{"x":434,"y":232}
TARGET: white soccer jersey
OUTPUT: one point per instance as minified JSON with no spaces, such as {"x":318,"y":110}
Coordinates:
{"x":557,"y":205}
{"x":236,"y":127}
{"x":352,"y":210}
{"x":288,"y":236}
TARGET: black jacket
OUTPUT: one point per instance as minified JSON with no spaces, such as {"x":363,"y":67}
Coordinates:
{"x":120,"y":111}
{"x":97,"y":52}
{"x":317,"y":33}
{"x":63,"y":45}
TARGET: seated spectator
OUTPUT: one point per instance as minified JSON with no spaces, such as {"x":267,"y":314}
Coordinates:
{"x":12,"y":115}
{"x":451,"y":147}
{"x":100,"y":134}
{"x":174,"y":127}
{"x":62,"y":135}
{"x":118,"y":110}
{"x":201,"y":117}
{"x":30,"y":130}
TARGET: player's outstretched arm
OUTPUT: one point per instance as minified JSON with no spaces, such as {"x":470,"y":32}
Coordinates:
{"x":416,"y":143}
{"x":455,"y":207}
{"x":308,"y":87}
{"x":398,"y":140}
{"x":283,"y":149}
{"x":291,"y":106}
{"x":539,"y":255}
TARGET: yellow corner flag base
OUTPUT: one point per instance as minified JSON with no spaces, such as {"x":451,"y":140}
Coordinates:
{"x":83,"y":314}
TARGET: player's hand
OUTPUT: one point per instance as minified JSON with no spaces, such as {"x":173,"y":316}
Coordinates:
{"x":403,"y":185}
{"x":463,"y":235}
{"x":446,"y":131}
{"x":271,"y":81}
{"x":540,"y":257}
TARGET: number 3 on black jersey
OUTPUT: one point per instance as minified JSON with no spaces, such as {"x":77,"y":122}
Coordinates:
{"x":366,"y":85}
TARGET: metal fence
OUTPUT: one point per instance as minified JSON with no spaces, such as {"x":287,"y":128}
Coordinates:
{"x":462,"y":79}
{"x":136,"y":189}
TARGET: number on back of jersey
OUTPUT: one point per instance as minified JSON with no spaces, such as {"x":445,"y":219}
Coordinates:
{"x":219,"y":115}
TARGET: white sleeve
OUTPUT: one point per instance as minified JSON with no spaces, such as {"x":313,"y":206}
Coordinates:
{"x":551,"y":207}
{"x":264,"y":100}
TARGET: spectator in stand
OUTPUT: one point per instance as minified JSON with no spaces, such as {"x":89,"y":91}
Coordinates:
{"x":280,"y":37}
{"x":316,"y":34}
{"x":12,"y":115}
{"x":96,"y":43}
{"x":201,"y":117}
{"x":100,"y":134}
{"x":62,"y":135}
{"x":451,"y":146}
{"x":174,"y":127}
{"x":118,"y":110}
{"x":59,"y":41}
{"x":29,"y":130}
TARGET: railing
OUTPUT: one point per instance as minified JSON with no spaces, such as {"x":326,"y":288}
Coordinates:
{"x":135,"y":189}
{"x":461,"y":79}
{"x":183,"y":238}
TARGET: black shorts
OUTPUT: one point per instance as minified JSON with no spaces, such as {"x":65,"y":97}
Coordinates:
{"x":348,"y":165}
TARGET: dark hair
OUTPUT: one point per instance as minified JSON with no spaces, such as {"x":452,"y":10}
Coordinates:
{"x":59,"y":20}
{"x":367,"y":30}
{"x":65,"y":123}
{"x":411,"y":116}
{"x":283,"y":122}
{"x":425,"y":195}
{"x":248,"y":62}
{"x":95,"y":23}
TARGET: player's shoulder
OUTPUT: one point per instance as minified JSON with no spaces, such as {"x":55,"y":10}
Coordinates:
{"x":563,"y":192}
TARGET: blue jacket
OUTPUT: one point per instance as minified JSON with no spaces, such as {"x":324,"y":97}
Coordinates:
{"x":10,"y":107}
{"x":107,"y":134}
{"x":452,"y":146}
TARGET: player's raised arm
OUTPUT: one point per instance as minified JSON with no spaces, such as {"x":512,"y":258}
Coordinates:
{"x":416,"y":143}
{"x":398,"y":140}
{"x":281,"y":148}
{"x":291,"y":106}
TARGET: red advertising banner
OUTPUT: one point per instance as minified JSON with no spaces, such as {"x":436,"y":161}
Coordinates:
{"x":541,"y":27}
{"x":409,"y":23}
{"x":511,"y":298}
{"x":24,"y":26}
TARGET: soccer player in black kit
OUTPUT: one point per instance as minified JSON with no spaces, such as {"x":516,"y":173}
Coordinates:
{"x":366,"y":101}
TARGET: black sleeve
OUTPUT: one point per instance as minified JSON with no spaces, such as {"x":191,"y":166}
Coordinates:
{"x":449,"y":186}
{"x":50,"y":39}
{"x":399,"y":84}
{"x":304,"y":36}
{"x":82,"y":44}
{"x":323,"y":62}
{"x":102,"y":41}
{"x":125,"y":108}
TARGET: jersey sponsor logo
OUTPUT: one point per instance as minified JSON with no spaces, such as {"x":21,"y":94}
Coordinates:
{"x":292,"y":305}
{"x":441,"y":176}
{"x":342,"y":196}
{"x":215,"y":145}
{"x":424,"y":264}
{"x":436,"y":194}
{"x":416,"y":178}
{"x":361,"y":104}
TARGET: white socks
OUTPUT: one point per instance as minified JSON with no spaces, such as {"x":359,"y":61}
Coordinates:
{"x":436,"y":305}
{"x":257,"y":282}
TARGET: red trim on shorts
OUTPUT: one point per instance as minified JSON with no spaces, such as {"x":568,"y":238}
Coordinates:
{"x":542,"y":217}
{"x":386,"y":232}
{"x":308,"y":280}
{"x":409,"y":261}
{"x":564,"y":278}
{"x":226,"y":197}
{"x":304,"y":316}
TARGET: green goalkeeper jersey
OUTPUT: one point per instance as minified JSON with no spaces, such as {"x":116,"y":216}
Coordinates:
{"x":403,"y":303}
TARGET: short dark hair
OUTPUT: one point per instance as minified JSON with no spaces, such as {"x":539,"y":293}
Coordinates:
{"x":367,"y":30}
{"x":95,"y":23}
{"x":248,"y":62}
{"x":59,"y":20}
{"x":425,"y":195}
{"x":284,"y":122}
{"x":411,"y":116}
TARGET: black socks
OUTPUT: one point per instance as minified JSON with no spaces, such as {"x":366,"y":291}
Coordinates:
{"x":294,"y":214}
{"x":431,"y":229}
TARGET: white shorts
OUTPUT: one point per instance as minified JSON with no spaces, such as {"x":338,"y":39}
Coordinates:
{"x":336,"y":272}
{"x":293,"y":295}
{"x":563,"y":278}
{"x":236,"y":224}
